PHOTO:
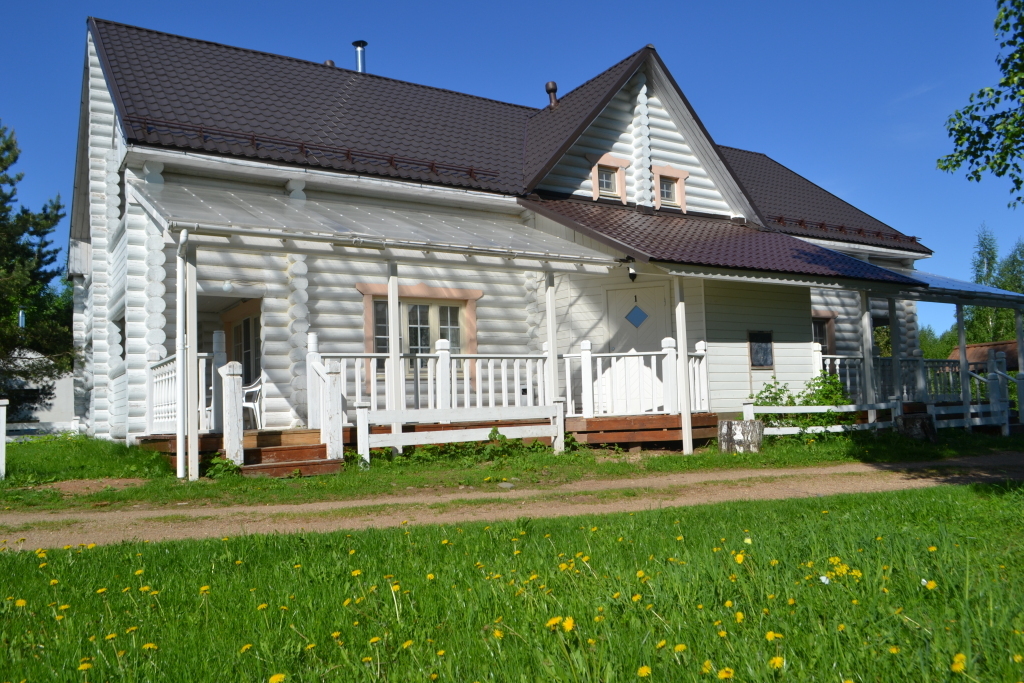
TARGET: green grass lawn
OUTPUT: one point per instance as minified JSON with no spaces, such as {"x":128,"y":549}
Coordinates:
{"x":50,"y":459}
{"x":914,"y":583}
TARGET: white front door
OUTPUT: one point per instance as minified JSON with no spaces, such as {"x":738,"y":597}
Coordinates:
{"x":638,"y":318}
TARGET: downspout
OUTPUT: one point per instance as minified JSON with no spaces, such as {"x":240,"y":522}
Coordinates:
{"x":179,"y":355}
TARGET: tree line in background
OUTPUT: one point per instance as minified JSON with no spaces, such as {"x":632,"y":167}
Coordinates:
{"x":32,"y":356}
{"x":982,"y":324}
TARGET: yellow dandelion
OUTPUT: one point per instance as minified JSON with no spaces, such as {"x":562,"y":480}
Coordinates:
{"x":739,"y":617}
{"x":277,"y":678}
{"x":791,"y":601}
{"x":20,"y":603}
{"x":102,"y":590}
{"x":204,"y":589}
{"x":245,"y":648}
{"x":706,"y":667}
{"x":131,"y":629}
{"x":430,"y":577}
{"x":725,"y":673}
{"x":894,"y":649}
{"x":406,"y":645}
{"x":440,"y":653}
{"x":553,"y":622}
{"x":498,"y":633}
{"x":54,"y":582}
{"x":636,"y":598}
{"x":722,"y":634}
{"x":150,"y":646}
{"x":599,"y":618}
{"x":661,"y":644}
{"x":375,"y":639}
{"x":64,"y":607}
{"x":59,"y":617}
{"x":932,"y":549}
{"x":615,"y":596}
{"x":310,"y":646}
{"x":84,"y":666}
{"x":640,"y":574}
{"x":568,"y":624}
{"x":931,"y":585}
{"x":110,"y":636}
{"x":297,"y":566}
{"x":776,"y":662}
{"x":644,"y":671}
{"x":138,"y":572}
{"x":841,"y":627}
{"x":367,"y":659}
{"x":680,"y":647}
{"x":357,"y":572}
{"x":772,"y":635}
{"x":1017,"y":658}
{"x":739,"y":558}
{"x":262,"y":605}
{"x":728,"y":603}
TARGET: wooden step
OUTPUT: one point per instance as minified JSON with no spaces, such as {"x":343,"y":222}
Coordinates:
{"x":284,"y":454}
{"x":263,"y":438}
{"x":287,"y":469}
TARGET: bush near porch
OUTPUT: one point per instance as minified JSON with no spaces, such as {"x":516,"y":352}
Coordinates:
{"x":35,"y":464}
{"x":916,"y":585}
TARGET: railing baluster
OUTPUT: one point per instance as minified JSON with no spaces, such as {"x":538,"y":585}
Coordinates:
{"x":490,"y":382}
{"x":504,"y":382}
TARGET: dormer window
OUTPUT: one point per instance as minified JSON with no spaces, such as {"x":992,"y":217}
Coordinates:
{"x":608,"y":176}
{"x":668,"y":191}
{"x":671,"y":184}
{"x":606,"y":181}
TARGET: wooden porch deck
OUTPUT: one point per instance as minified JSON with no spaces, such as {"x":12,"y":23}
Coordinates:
{"x":283,"y":452}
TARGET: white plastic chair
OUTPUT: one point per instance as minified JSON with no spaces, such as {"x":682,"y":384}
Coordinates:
{"x":252,"y":399}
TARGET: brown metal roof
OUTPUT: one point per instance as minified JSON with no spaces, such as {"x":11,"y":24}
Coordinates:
{"x":978,"y":353}
{"x":678,"y":238}
{"x":792,"y":204}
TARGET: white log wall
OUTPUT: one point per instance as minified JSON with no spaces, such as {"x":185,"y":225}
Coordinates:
{"x":845,"y":304}
{"x":636,"y":126}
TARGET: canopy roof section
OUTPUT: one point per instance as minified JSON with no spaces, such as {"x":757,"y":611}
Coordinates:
{"x":947,"y":290}
{"x":245,"y":213}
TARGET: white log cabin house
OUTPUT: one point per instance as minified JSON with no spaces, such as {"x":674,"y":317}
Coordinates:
{"x":321,"y":227}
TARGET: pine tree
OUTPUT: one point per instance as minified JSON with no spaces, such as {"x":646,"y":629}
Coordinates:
{"x":980,"y":321}
{"x":33,"y":356}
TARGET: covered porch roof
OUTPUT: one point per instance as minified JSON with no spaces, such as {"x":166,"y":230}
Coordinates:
{"x":947,"y":290}
{"x":248,"y":219}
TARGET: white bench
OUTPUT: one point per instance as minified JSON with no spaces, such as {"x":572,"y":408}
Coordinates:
{"x":365,"y":418}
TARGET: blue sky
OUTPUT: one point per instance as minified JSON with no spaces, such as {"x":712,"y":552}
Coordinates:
{"x":851,"y":95}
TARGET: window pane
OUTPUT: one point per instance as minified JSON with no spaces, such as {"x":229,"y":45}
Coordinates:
{"x":668,"y":190}
{"x":246,"y":352}
{"x":606,"y":181}
{"x":419,"y":328}
{"x":449,"y":328}
{"x":761,"y":350}
{"x":819,"y":332}
{"x":380,"y":327}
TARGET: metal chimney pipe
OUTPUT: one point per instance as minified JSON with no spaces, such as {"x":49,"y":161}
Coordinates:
{"x":360,"y":46}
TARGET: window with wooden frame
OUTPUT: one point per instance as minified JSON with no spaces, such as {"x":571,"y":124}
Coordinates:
{"x":423,"y":323}
{"x":762,"y":356}
{"x":608,"y":176}
{"x":670,"y":187}
{"x":242,"y":323}
{"x":823,"y":330}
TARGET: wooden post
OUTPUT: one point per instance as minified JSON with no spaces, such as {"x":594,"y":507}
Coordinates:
{"x":220,"y":359}
{"x":558,"y":443}
{"x":314,"y":394}
{"x":150,"y":359}
{"x":587,"y":378}
{"x":683,"y":370}
{"x":867,"y":348}
{"x":965,"y":377}
{"x":231,"y":383}
{"x":192,"y":364}
{"x":670,"y":373}
{"x":3,"y":438}
{"x":444,"y":374}
{"x":816,"y":361}
{"x":334,"y":414}
{"x":363,"y":435}
{"x":181,"y":399}
{"x":551,"y":379}
{"x":922,"y":381}
{"x":396,"y":387}
{"x":748,"y":410}
{"x":897,"y":350}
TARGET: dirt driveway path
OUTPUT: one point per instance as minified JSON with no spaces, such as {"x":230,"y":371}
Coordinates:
{"x":56,"y":529}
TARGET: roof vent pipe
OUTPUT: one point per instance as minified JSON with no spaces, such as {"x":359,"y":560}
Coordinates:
{"x":329,"y":62}
{"x":360,"y":46}
{"x":551,"y":88}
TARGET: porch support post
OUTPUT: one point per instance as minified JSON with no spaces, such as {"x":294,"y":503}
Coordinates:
{"x":965,"y":377}
{"x":179,"y":355}
{"x":396,"y":387}
{"x":232,"y":439}
{"x":552,"y":362}
{"x":220,"y":359}
{"x":897,"y":351}
{"x":192,"y":364}
{"x":867,"y":346}
{"x":683,"y":369}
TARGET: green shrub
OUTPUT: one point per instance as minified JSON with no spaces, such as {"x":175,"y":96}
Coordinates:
{"x":823,"y":390}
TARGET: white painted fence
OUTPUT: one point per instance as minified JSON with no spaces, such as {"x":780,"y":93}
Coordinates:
{"x":365,"y":418}
{"x":697,"y":367}
{"x":750,"y":411}
{"x":162,"y":396}
{"x":3,"y":438}
{"x":625,"y":383}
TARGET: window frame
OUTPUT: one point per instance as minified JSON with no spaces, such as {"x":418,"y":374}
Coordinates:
{"x":670,"y":182}
{"x":829,"y":318}
{"x":465,"y":299}
{"x":677,"y":174}
{"x":613,"y":163}
{"x":750,"y":348}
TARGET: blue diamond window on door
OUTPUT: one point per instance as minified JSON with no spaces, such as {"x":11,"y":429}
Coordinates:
{"x":636,"y":316}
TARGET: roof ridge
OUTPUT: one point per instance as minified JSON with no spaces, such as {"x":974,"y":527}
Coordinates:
{"x":275,"y":55}
{"x":594,"y":78}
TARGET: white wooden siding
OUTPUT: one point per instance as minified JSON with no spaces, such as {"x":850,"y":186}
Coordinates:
{"x":733,"y":310}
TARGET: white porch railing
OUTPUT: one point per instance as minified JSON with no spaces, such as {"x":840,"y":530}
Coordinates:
{"x":162,"y":396}
{"x":697,"y":367}
{"x":625,"y":383}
